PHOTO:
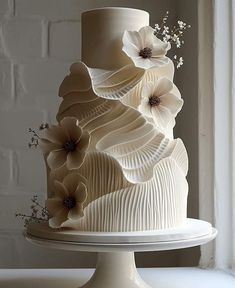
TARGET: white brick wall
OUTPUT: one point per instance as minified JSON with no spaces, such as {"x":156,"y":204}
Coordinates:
{"x":39,"y":39}
{"x":70,"y":32}
{"x":5,"y":167}
{"x":22,"y":38}
{"x":6,"y":8}
{"x":52,"y":9}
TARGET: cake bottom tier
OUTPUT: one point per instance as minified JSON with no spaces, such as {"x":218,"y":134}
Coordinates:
{"x":160,"y":203}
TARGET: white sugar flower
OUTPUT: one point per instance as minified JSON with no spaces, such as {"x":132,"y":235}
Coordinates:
{"x":159,"y":102}
{"x":144,"y":48}
{"x":67,"y":203}
{"x":65,"y":143}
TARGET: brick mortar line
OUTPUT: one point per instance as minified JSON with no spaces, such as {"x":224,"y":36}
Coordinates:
{"x":45,"y":38}
{"x":14,"y":168}
{"x":10,"y":231}
{"x":12,"y":6}
{"x":13,"y":83}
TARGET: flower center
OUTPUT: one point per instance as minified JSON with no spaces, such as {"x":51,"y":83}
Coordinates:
{"x":69,"y":202}
{"x":146,"y":52}
{"x":70,"y":146}
{"x":154,"y":101}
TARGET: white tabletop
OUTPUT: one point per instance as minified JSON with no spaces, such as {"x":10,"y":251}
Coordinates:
{"x":71,"y":278}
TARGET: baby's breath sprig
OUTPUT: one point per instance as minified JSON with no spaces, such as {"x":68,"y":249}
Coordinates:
{"x":159,"y":29}
{"x":176,"y":33}
{"x":34,"y":141}
{"x":38,"y":213}
{"x":172,"y":36}
{"x":179,"y":61}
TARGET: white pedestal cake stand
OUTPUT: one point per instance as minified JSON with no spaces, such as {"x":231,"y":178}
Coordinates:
{"x":116,"y":263}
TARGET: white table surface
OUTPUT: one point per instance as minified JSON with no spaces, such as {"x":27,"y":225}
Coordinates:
{"x":155,"y":277}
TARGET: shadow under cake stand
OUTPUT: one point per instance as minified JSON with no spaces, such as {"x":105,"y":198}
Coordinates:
{"x":116,"y":263}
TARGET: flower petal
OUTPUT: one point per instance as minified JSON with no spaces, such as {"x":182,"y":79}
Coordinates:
{"x":60,"y":190}
{"x":143,"y":62}
{"x":158,"y":61}
{"x":172,"y":102}
{"x":60,"y":217}
{"x":131,"y":50}
{"x":54,"y":134}
{"x":56,"y":158}
{"x":147,"y":90}
{"x":131,"y":38}
{"x":81,"y":193}
{"x":54,"y":205}
{"x":76,"y":212}
{"x":161,"y":115}
{"x":71,"y":127}
{"x":84,"y":141}
{"x":48,"y":146}
{"x":163,"y":86}
{"x":71,"y":182}
{"x":75,"y":159}
{"x":147,"y":36}
{"x":145,"y":107}
{"x":159,"y":48}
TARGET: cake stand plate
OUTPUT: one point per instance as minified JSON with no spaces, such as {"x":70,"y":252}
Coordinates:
{"x":116,"y":263}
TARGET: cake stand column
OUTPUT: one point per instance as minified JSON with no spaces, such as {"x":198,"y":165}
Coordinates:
{"x":116,"y":270}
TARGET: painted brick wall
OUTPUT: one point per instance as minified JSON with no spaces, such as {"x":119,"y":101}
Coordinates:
{"x":39,"y":39}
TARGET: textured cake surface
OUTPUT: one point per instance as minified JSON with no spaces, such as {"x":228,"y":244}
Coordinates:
{"x":130,"y":171}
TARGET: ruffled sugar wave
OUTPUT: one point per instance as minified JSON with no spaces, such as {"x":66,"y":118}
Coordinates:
{"x":115,"y":128}
{"x":159,"y":203}
{"x":135,"y":175}
{"x":114,"y":84}
{"x":138,"y":162}
{"x":98,"y":170}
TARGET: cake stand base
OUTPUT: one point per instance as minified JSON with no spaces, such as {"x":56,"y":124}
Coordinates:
{"x":116,"y":263}
{"x":115,"y":270}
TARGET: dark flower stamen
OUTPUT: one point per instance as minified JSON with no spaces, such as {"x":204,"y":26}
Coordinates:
{"x":154,"y":101}
{"x":70,"y":146}
{"x":69,"y":202}
{"x":146,"y":52}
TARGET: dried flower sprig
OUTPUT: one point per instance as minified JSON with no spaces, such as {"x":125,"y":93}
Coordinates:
{"x":172,"y":36}
{"x":34,"y":141}
{"x":44,"y":126}
{"x":39,"y":213}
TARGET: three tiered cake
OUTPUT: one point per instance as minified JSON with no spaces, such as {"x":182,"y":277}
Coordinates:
{"x":112,"y":161}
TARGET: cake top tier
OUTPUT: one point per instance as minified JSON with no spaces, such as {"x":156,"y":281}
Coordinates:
{"x":102,"y":31}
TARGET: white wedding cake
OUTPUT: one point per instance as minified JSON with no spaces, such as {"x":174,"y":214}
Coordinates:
{"x":112,"y":161}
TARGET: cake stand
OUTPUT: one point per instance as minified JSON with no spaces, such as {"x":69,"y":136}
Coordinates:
{"x":116,"y":263}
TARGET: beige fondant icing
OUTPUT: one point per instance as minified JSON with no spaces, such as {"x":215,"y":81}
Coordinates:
{"x":102,"y":31}
{"x":135,"y":172}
